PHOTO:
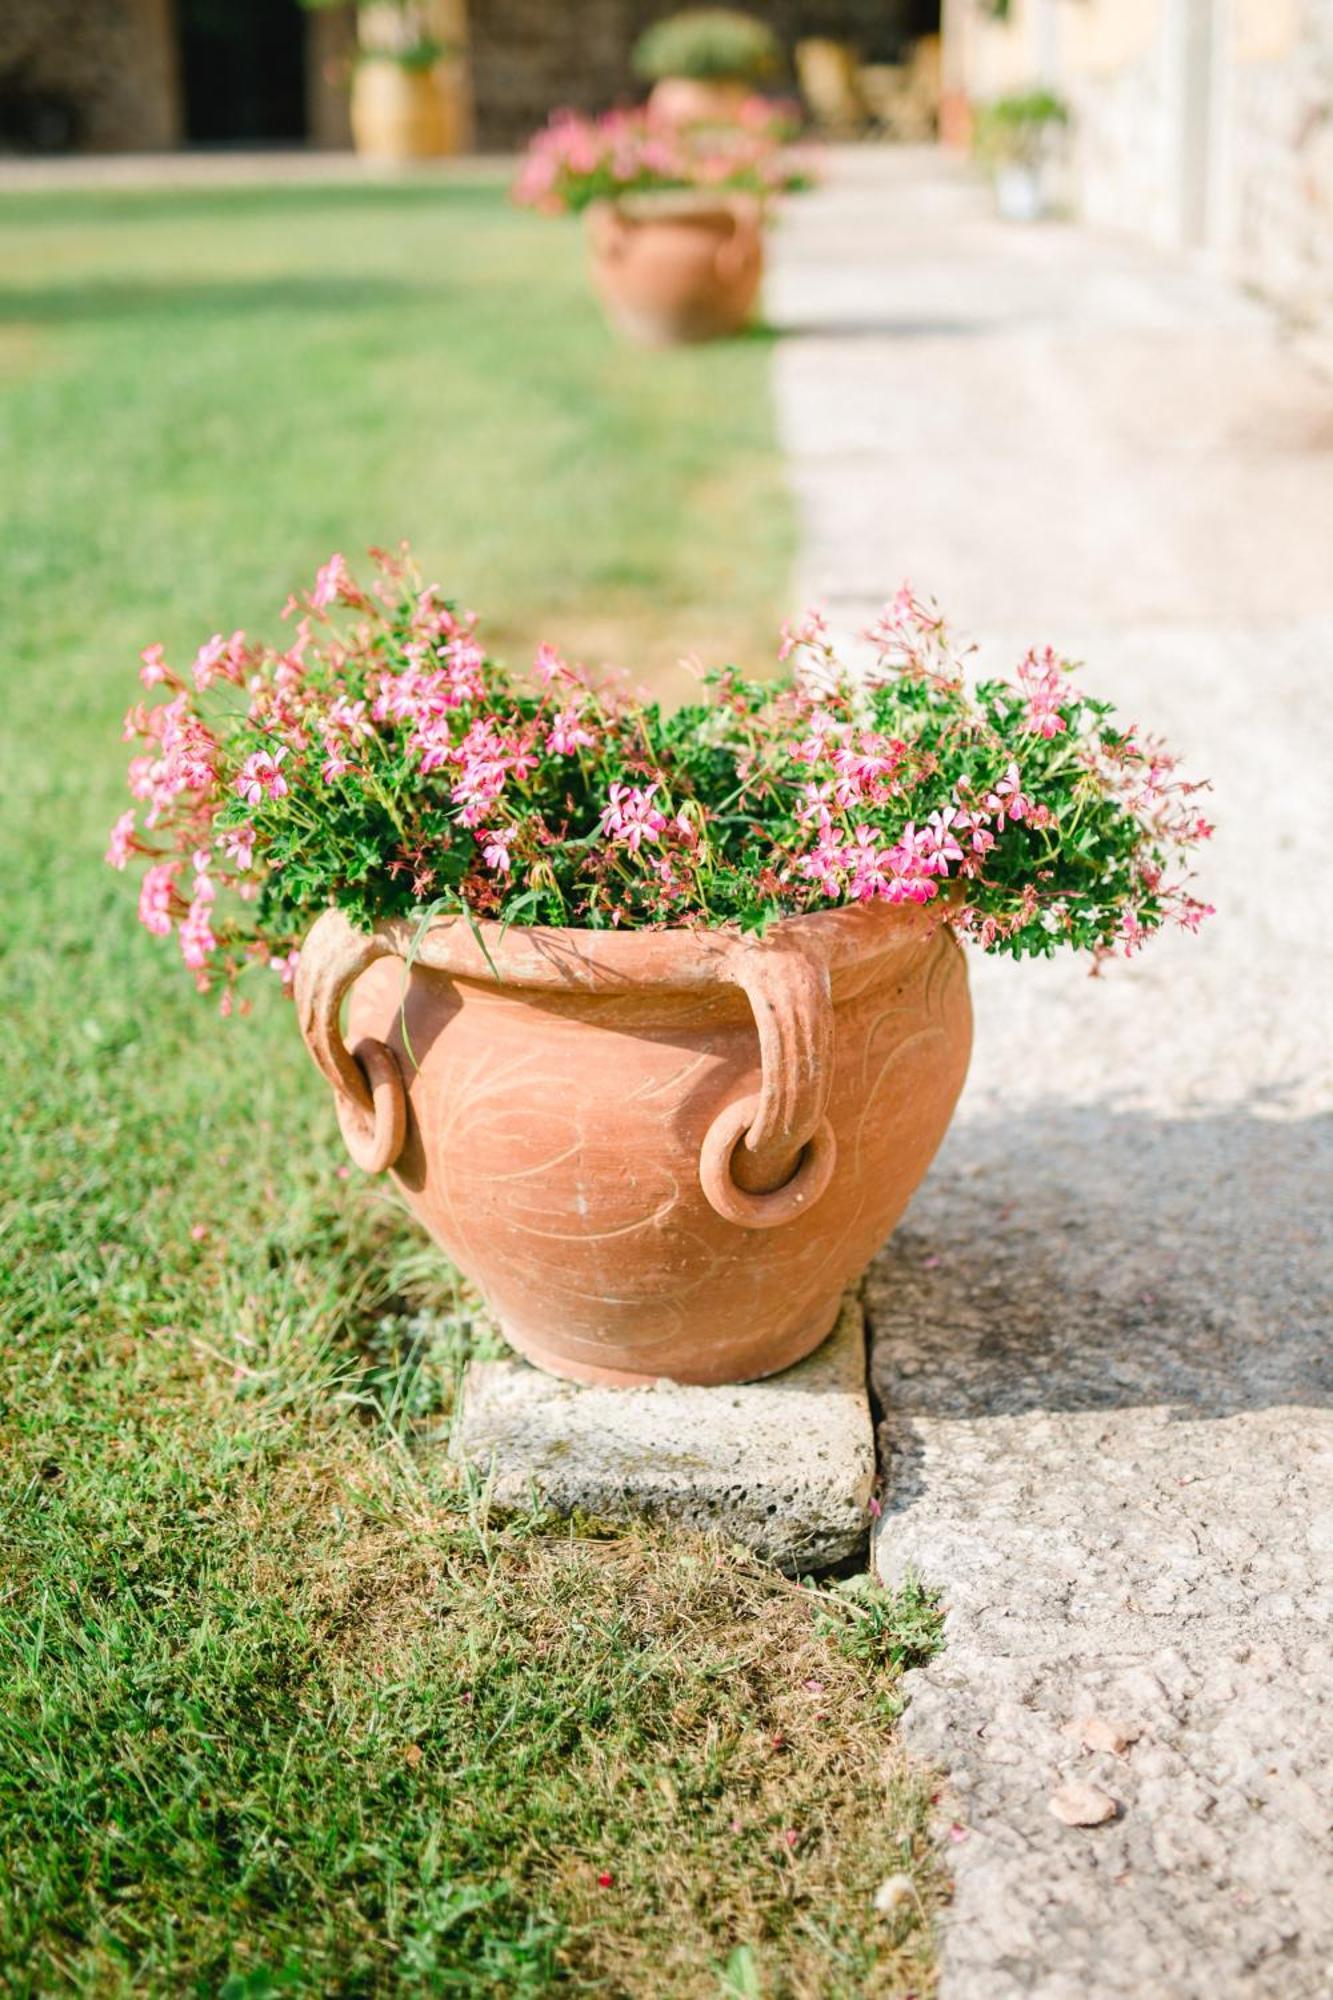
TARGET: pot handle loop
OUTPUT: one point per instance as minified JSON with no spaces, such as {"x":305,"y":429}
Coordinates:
{"x":367,"y":1083}
{"x":768,"y":1157}
{"x":736,"y":249}
{"x":608,"y":231}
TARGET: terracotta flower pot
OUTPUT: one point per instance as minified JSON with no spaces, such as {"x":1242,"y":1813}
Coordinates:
{"x":401,"y":114}
{"x":656,"y":1153}
{"x":689,"y":100}
{"x":677,"y":267}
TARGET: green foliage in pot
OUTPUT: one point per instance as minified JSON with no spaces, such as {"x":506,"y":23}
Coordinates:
{"x":709,"y":44}
{"x":393,"y":31}
{"x":384,"y":763}
{"x":417,"y":56}
{"x":1015,"y":130}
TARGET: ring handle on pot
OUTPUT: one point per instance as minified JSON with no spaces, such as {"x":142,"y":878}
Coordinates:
{"x":367,"y":1082}
{"x":608,"y":231}
{"x":769,"y":1157}
{"x":735,"y":250}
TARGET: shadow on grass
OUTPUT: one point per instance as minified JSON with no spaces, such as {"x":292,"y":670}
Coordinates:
{"x":102,"y":299}
{"x":885,"y":329}
{"x":478,"y":197}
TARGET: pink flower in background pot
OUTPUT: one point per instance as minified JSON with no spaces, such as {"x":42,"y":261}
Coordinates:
{"x":675,"y":268}
{"x":656,"y":1153}
{"x":675,"y":210}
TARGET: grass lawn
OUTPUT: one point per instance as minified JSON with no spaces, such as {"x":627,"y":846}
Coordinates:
{"x":282,"y":1711}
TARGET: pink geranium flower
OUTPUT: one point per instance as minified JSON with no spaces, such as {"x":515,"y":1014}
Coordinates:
{"x":196,"y":937}
{"x":630,"y":817}
{"x":221,"y":659}
{"x":567,"y":734}
{"x":810,"y":629}
{"x":260,"y":777}
{"x":495,"y":848}
{"x":155,"y":669}
{"x":238,"y":844}
{"x":1007,"y":800}
{"x":332,"y":581}
{"x":1043,"y":684}
{"x":120,"y":846}
{"x":155,"y":897}
{"x":549,"y":666}
{"x":938,"y":845}
{"x":1133,"y":935}
{"x":286,"y":968}
{"x":455,"y":781}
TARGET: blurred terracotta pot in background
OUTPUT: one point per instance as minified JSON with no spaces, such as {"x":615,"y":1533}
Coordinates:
{"x":688,"y":100}
{"x":671,"y":268}
{"x":656,"y":1153}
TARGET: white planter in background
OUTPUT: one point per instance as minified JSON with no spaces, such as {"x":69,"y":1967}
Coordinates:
{"x":1020,"y":192}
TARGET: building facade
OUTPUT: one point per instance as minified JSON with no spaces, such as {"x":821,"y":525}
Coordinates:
{"x":1201,"y":125}
{"x":145,"y":74}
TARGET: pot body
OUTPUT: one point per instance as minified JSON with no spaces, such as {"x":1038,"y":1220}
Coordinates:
{"x":400,"y":114}
{"x":679,"y":269}
{"x":690,"y":100}
{"x":657,"y":1154}
{"x":1020,"y":192}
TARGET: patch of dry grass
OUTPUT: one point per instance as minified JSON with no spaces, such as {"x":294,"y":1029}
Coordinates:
{"x":290,"y":1714}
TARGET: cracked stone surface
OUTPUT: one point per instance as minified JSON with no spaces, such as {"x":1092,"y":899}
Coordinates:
{"x":1100,"y":1339}
{"x":785,"y":1466}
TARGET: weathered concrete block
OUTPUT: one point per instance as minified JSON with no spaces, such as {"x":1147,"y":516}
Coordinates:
{"x":784,"y":1466}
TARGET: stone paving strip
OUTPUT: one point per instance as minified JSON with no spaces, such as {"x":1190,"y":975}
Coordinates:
{"x":1100,"y":1339}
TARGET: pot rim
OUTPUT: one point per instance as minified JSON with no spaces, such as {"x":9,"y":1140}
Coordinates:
{"x":683,"y":205}
{"x":680,"y":958}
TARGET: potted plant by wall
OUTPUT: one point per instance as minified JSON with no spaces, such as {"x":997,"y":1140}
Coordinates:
{"x":409,"y":83}
{"x":1015,"y":139}
{"x":675,"y":218}
{"x":656,"y":1020}
{"x":704,"y":63}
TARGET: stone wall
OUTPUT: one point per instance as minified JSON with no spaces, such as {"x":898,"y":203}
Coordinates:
{"x":1200,"y":125}
{"x":117,"y":60}
{"x":1281,"y":199}
{"x":1125,"y":166}
{"x":113,"y":59}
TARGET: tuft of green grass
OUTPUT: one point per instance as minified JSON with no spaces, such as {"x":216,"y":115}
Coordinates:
{"x":282,"y":1711}
{"x":900,"y":1628}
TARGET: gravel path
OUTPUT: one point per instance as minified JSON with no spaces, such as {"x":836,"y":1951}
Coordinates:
{"x":1100,"y":1337}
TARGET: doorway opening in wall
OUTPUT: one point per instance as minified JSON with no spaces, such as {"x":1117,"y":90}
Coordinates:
{"x":922,"y":19}
{"x":881,"y":31}
{"x":869,"y":65}
{"x":243,"y":71}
